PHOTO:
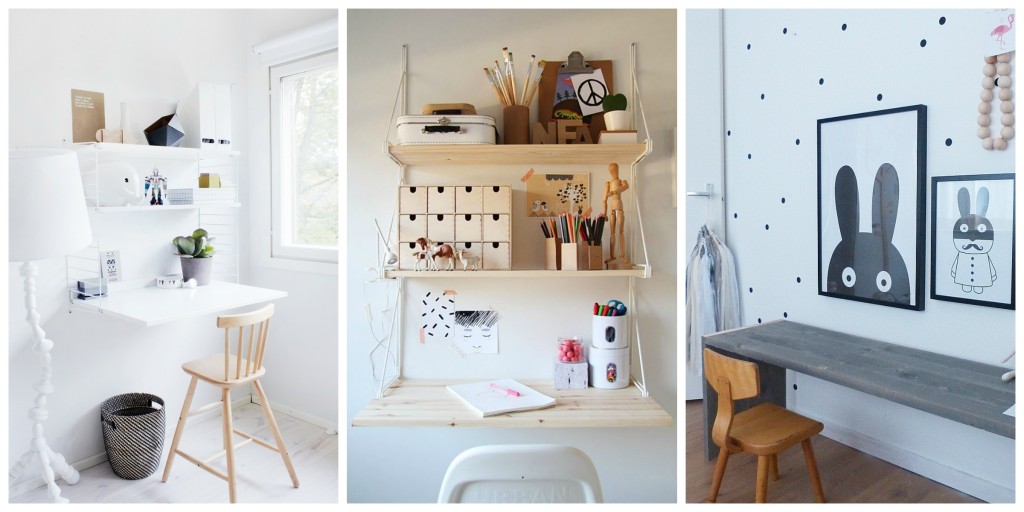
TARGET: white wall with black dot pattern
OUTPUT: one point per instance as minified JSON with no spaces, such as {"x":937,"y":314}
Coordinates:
{"x":784,"y":70}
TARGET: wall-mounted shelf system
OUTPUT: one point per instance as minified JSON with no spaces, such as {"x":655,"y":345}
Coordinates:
{"x":403,"y":402}
{"x":416,"y":403}
{"x":219,"y":219}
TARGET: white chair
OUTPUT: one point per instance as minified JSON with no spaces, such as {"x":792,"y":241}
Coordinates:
{"x":521,"y":473}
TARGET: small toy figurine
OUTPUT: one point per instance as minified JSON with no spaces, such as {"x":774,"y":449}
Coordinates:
{"x":468,"y":259}
{"x":156,"y":187}
{"x":613,"y":189}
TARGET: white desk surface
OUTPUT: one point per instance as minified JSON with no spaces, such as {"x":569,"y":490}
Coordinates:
{"x":151,"y":306}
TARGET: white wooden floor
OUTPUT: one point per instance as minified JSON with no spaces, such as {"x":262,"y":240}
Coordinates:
{"x":260,"y":473}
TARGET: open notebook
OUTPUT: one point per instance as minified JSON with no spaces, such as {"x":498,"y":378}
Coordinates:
{"x":492,"y":396}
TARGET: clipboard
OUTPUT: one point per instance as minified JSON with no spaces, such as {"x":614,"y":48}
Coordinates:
{"x":549,"y":82}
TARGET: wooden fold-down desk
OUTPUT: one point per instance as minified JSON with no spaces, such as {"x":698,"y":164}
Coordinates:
{"x":961,"y":390}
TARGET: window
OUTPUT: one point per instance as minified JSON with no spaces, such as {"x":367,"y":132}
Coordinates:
{"x":304,"y":158}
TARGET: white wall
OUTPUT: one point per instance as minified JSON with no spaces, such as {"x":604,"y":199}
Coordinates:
{"x":878,"y":53}
{"x":140,"y":55}
{"x":407,"y":465}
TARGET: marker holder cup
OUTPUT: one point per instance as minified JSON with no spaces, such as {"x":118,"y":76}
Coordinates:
{"x":595,"y":255}
{"x":552,"y":254}
{"x":610,"y":332}
{"x":571,"y":257}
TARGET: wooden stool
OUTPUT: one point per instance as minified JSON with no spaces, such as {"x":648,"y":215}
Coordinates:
{"x":226,"y":370}
{"x":764,"y":430}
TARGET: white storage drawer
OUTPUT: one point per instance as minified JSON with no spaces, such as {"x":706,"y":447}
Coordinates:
{"x":412,"y":200}
{"x":468,"y":227}
{"x":497,"y":199}
{"x":441,"y":199}
{"x":496,"y":227}
{"x":469,"y":199}
{"x":441,"y":227}
{"x":497,"y":256}
{"x":411,"y":227}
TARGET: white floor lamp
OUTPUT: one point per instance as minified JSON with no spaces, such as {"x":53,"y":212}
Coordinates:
{"x":48,"y":218}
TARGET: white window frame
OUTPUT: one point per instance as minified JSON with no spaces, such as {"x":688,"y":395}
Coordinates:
{"x":279,"y":251}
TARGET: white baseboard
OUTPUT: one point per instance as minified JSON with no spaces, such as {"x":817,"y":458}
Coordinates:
{"x":329,"y":426}
{"x":966,"y":483}
{"x":171,"y":422}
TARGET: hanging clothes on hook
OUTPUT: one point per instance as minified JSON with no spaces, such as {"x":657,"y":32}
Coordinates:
{"x":712,"y":293}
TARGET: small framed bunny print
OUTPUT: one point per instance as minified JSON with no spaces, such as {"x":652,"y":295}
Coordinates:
{"x":973,"y":241}
{"x":871,"y":207}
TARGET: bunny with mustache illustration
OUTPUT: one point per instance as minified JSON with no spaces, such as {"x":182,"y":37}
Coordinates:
{"x":973,"y":238}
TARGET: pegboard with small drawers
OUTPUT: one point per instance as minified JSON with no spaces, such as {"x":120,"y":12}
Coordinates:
{"x":475,"y":218}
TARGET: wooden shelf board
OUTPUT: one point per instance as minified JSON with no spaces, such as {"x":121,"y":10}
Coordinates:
{"x":461,"y":274}
{"x":529,"y":154}
{"x":425,"y":403}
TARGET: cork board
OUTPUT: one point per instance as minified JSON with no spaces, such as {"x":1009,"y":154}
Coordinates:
{"x":87,"y":115}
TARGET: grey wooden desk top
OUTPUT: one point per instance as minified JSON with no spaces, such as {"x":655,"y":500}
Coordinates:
{"x":957,"y":389}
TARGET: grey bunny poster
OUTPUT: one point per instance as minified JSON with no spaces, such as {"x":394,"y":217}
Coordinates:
{"x":973,"y":239}
{"x":871,"y":169}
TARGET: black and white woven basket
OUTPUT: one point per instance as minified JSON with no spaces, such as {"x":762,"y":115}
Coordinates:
{"x":133,"y":433}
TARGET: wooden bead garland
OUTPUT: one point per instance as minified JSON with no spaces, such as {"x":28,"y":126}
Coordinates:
{"x":996,"y":74}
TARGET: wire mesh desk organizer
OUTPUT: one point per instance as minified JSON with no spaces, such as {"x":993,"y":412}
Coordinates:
{"x":712,"y":293}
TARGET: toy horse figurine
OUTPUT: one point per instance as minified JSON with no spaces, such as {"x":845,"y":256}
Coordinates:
{"x":468,"y":259}
{"x":424,"y":254}
{"x":443,"y":251}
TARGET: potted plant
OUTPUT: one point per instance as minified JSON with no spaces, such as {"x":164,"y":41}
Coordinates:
{"x":615,"y":115}
{"x":196,"y":255}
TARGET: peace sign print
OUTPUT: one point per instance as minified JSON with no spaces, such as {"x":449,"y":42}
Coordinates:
{"x":591,"y":92}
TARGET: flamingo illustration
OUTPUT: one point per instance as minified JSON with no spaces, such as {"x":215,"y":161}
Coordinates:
{"x":1001,"y":30}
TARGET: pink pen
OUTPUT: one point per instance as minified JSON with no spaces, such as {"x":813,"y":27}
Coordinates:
{"x":508,"y":392}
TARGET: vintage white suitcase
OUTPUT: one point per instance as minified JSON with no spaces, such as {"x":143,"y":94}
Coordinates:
{"x":446,"y":129}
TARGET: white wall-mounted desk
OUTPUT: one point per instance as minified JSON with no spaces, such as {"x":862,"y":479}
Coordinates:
{"x":151,"y":306}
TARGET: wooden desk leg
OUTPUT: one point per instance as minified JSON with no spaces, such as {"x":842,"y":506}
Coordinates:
{"x":773,"y":389}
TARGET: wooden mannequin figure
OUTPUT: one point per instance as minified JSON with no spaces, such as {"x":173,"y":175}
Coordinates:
{"x":613,"y":189}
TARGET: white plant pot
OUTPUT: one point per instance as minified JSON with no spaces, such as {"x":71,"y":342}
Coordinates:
{"x":616,"y":120}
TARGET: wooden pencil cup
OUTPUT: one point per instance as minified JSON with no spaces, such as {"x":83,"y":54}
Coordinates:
{"x":570,"y":257}
{"x":516,"y":121}
{"x":552,"y":254}
{"x":596,"y":256}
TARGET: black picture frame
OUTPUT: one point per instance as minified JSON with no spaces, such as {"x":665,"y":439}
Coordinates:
{"x":879,"y":156}
{"x":971,"y":214}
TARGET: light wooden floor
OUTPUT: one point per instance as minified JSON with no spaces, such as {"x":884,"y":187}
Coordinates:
{"x":847,"y":475}
{"x":261,"y":475}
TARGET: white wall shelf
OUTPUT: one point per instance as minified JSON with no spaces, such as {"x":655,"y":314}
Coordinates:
{"x":154,"y":152}
{"x":150,"y":306}
{"x":148,"y":208}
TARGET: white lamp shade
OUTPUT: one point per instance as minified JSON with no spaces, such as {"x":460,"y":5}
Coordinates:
{"x":48,"y":217}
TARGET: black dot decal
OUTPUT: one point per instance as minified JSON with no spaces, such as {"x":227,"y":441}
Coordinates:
{"x":728,"y":132}
{"x":942,"y":20}
{"x":762,"y":96}
{"x":735,"y":215}
{"x":883,"y":283}
{"x":751,"y":290}
{"x":785,"y":315}
{"x":748,"y":156}
{"x":924,"y":43}
{"x":794,"y":387}
{"x":821,"y":81}
{"x":783,"y":200}
{"x":748,"y":46}
{"x":766,"y":227}
{"x":758,"y":320}
{"x":798,"y":142}
{"x":949,"y":142}
{"x":849,"y":278}
{"x":784,"y":30}
{"x":798,"y":280}
{"x":879,"y":97}
{"x":844,"y":27}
